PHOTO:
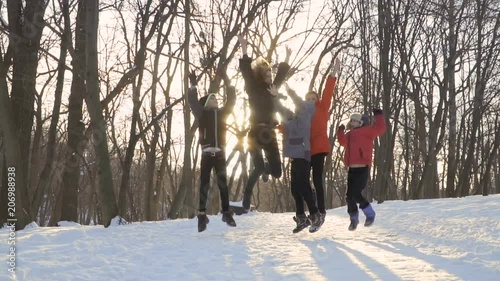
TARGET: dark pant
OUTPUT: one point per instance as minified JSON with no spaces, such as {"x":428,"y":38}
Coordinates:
{"x":357,"y":178}
{"x":301,"y":188}
{"x":219,"y":163}
{"x":261,"y":138}
{"x":317,"y":165}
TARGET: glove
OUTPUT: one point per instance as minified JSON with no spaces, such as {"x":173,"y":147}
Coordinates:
{"x":341,"y":128}
{"x":192,"y":78}
{"x":377,"y":111}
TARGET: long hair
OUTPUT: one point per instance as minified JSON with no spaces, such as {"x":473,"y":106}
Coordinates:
{"x":259,"y":67}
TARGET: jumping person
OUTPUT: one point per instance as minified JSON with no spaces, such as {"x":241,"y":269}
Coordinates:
{"x":320,"y":143}
{"x":296,"y":145}
{"x":261,"y":136}
{"x":358,"y":144}
{"x":212,"y":138}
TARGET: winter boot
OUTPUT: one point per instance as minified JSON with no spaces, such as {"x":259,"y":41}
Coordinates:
{"x":202,"y":222}
{"x":227,"y":217}
{"x":315,"y":222}
{"x":354,"y":221}
{"x":370,"y":215}
{"x":302,"y":222}
{"x":323,"y":215}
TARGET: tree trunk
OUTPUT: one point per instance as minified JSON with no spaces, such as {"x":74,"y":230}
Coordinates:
{"x":46,"y":175}
{"x":76,"y":144}
{"x":463,"y":187}
{"x":452,"y":104}
{"x":187,"y":171}
{"x":152,"y":194}
{"x":106,"y":191}
{"x":25,"y":26}
{"x":385,"y":159}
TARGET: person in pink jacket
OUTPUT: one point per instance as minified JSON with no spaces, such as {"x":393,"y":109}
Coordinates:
{"x":358,"y":144}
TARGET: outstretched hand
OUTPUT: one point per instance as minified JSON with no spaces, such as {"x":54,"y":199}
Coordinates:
{"x":273,"y":90}
{"x":193,"y":79}
{"x":288,"y":54}
{"x":336,"y":68}
{"x":243,"y":43}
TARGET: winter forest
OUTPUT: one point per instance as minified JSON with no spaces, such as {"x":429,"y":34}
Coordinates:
{"x":95,"y":122}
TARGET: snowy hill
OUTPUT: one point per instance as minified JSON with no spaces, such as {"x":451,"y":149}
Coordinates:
{"x":445,"y":239}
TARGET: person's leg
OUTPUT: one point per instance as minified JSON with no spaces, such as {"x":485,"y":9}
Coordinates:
{"x":362,"y":175}
{"x":258,"y":169}
{"x":300,"y":218}
{"x":272,"y":152}
{"x":220,"y":170}
{"x":302,"y":172}
{"x":352,"y":207}
{"x":206,"y":168}
{"x":295,"y":187}
{"x":317,"y":165}
{"x":359,"y":182}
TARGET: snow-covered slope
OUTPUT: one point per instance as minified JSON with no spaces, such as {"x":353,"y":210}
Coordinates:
{"x":445,"y":239}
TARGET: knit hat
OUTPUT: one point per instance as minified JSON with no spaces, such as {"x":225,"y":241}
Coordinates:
{"x":357,"y":117}
{"x":204,"y":99}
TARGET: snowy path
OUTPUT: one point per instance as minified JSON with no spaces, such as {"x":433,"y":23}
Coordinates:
{"x":447,"y":239}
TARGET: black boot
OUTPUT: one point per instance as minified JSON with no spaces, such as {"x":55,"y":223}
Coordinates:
{"x":315,"y":222}
{"x":323,"y":216}
{"x":227,"y":217}
{"x":302,"y":222}
{"x":202,"y":222}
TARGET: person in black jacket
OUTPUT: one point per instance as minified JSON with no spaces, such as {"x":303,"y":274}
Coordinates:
{"x":212,"y":138}
{"x":261,"y":90}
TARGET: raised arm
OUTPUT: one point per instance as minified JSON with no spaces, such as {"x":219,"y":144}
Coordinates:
{"x":341,"y":137}
{"x":326,"y":97}
{"x":193,"y":101}
{"x":283,"y":69}
{"x":293,"y":95}
{"x":379,"y":128}
{"x":231,"y":99}
{"x":245,"y":62}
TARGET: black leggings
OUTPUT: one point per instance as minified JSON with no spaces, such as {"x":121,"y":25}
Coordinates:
{"x":317,"y":165}
{"x":301,"y":188}
{"x":261,"y":138}
{"x":357,"y":178}
{"x":219,"y":163}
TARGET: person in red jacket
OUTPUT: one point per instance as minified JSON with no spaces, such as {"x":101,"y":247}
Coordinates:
{"x":320,"y":144}
{"x":358,"y":144}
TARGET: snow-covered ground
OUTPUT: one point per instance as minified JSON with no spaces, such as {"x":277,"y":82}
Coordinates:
{"x":446,"y":239}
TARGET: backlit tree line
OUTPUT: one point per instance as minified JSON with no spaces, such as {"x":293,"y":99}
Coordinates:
{"x":95,"y":121}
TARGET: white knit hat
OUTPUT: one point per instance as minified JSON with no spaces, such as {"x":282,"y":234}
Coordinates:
{"x":357,"y":117}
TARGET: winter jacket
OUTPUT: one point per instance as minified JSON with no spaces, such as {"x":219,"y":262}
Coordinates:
{"x":260,"y":100}
{"x":212,"y":122}
{"x":358,"y":142}
{"x":320,"y":143}
{"x":297,"y":128}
